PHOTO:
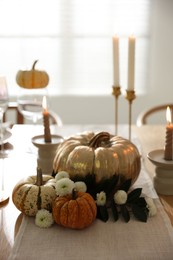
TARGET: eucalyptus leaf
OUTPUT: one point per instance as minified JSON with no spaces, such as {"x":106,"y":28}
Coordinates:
{"x":134,"y":195}
{"x":102,"y":213}
{"x":141,"y":202}
{"x":126,"y":185}
{"x":125,"y":213}
{"x":141,"y":213}
{"x":114,"y":210}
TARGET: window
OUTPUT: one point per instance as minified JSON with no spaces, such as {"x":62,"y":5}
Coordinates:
{"x":72,"y":39}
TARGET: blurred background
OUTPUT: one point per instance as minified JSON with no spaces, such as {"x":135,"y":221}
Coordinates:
{"x":73,"y":42}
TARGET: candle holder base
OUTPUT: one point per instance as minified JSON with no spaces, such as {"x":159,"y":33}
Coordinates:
{"x":163,"y":180}
{"x":46,"y":152}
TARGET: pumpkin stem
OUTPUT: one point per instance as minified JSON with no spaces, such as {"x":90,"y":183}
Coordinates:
{"x":74,"y":194}
{"x":39,"y":179}
{"x":98,"y":139}
{"x":33,"y":66}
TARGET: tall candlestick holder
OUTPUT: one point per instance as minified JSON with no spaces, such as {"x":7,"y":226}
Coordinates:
{"x":130,"y":96}
{"x":116,"y":92}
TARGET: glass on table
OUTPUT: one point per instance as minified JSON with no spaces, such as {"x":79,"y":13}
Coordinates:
{"x":4,"y":198}
{"x":3,"y":107}
{"x":30,"y":106}
{"x":30,"y":103}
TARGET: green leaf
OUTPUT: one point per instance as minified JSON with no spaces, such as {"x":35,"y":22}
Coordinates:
{"x":114,"y":210}
{"x":134,"y":195}
{"x":141,"y":213}
{"x":125,"y":213}
{"x":102,"y":213}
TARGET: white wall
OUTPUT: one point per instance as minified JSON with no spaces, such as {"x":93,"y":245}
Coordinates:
{"x":100,"y":109}
{"x":95,"y":109}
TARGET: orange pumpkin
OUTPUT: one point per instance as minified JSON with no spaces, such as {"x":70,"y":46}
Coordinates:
{"x":77,"y":210}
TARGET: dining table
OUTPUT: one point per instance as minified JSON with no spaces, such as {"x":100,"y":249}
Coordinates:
{"x":20,"y":238}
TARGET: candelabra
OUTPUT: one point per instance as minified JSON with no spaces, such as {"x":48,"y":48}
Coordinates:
{"x":116,"y":92}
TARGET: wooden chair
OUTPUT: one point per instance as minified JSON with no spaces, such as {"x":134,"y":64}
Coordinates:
{"x":143,"y":117}
{"x":19,"y":118}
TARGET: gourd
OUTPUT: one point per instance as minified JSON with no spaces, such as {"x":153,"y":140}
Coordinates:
{"x":102,"y":155}
{"x":34,"y":193}
{"x":77,"y":210}
{"x":32,"y":79}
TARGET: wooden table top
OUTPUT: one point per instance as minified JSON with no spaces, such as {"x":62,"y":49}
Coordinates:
{"x":22,"y":161}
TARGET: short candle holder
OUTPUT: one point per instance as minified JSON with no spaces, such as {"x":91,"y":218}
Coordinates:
{"x":116,"y":92}
{"x":46,"y":151}
{"x":130,"y":96}
{"x":163,"y":180}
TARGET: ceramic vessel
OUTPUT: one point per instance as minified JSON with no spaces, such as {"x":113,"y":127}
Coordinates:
{"x":46,"y":152}
{"x":163,"y":179}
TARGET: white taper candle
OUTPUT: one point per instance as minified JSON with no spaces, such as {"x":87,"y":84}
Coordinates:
{"x":131,"y":63}
{"x":116,"y":60}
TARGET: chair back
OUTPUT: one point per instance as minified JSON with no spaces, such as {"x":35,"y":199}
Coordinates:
{"x":143,"y":117}
{"x":19,"y":118}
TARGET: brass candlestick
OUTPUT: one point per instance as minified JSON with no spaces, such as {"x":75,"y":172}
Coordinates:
{"x":116,"y":92}
{"x":130,"y":96}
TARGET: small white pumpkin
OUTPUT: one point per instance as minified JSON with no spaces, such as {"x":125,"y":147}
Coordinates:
{"x":34,"y":193}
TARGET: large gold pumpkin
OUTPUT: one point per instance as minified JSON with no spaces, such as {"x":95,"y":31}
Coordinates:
{"x":34,"y":193}
{"x":32,"y":79}
{"x":100,"y":154}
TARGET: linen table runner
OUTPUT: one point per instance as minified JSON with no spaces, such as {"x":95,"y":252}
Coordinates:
{"x":103,"y":241}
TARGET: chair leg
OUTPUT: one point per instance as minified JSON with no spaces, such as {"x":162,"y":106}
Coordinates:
{"x":20,"y":118}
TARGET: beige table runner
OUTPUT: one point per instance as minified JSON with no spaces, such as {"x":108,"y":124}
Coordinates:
{"x":103,"y":241}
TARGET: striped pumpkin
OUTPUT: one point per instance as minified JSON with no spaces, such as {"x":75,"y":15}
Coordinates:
{"x":34,"y":193}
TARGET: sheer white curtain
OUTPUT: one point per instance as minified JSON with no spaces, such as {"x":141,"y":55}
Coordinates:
{"x":72,"y":39}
